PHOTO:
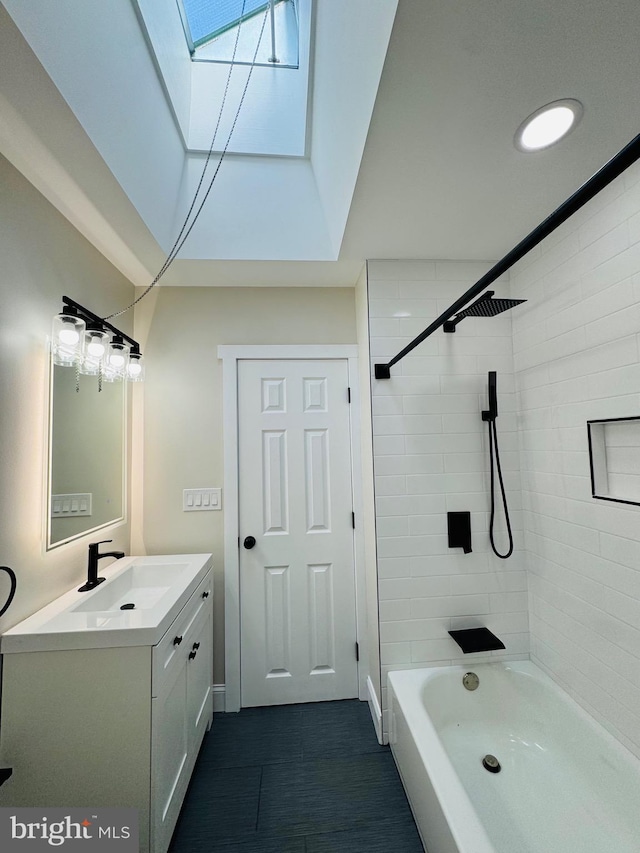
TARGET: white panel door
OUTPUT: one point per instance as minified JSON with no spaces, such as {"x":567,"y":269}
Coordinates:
{"x":297,"y":583}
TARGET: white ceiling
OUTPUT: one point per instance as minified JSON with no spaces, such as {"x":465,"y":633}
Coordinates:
{"x":439,"y":176}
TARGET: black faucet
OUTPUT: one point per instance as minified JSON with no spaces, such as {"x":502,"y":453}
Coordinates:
{"x":92,"y":567}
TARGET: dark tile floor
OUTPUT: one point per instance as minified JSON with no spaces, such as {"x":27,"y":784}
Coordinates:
{"x":295,"y":779}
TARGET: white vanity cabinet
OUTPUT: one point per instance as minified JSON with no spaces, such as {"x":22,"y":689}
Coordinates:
{"x":113,"y":726}
{"x":181,"y":711}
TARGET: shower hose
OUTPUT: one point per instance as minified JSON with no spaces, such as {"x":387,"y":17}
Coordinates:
{"x":493,"y":451}
{"x":14,"y":583}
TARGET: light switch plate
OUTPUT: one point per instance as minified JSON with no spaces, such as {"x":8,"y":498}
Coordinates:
{"x":68,"y":506}
{"x":201,"y":500}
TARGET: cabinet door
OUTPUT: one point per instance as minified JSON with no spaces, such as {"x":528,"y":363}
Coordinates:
{"x":199,"y":679}
{"x":169,"y":758}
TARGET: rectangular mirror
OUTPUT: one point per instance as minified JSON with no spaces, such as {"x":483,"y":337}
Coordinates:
{"x":87,"y":451}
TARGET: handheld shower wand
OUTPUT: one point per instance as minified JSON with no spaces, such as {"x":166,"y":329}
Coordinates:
{"x":490,"y":416}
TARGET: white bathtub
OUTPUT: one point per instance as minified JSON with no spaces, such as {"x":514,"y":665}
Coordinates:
{"x":566,"y":785}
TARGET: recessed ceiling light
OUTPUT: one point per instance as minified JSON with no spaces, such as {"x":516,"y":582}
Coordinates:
{"x":548,"y":125}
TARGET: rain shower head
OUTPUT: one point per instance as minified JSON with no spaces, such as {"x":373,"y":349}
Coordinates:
{"x":485,"y":306}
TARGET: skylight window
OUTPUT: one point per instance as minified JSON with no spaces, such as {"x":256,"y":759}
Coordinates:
{"x":207,"y":19}
{"x":211,"y":27}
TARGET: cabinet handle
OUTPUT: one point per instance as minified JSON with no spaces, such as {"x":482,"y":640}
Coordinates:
{"x":195,"y":647}
{"x":192,"y":655}
{"x":205,"y":594}
{"x":177,"y":641}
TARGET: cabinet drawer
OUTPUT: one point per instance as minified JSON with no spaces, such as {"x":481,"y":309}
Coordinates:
{"x":172,"y":649}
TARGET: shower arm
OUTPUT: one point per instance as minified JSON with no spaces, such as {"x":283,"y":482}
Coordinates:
{"x":602,"y":178}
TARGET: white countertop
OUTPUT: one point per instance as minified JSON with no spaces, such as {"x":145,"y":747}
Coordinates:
{"x":74,"y":620}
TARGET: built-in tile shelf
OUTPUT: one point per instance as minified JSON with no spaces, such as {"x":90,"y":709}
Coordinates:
{"x":614,"y":457}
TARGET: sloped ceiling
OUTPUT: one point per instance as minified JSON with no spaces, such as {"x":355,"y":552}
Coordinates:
{"x":438,"y":177}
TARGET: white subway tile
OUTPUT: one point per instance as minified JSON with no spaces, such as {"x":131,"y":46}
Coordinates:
{"x":390,"y":568}
{"x":432,"y":649}
{"x":394,"y":610}
{"x":402,"y":270}
{"x":420,"y":525}
{"x":384,"y":445}
{"x":441,"y":404}
{"x":394,"y":589}
{"x":451,"y":564}
{"x":464,"y":272}
{"x":454,"y":605}
{"x":394,"y":525}
{"x":387,"y":405}
{"x":425,"y":484}
{"x":442,"y":366}
{"x":382,"y":289}
{"x":491,"y":582}
{"x":428,"y":587}
{"x":400,"y":385}
{"x":410,"y":505}
{"x":431,"y":463}
{"x":414,"y":629}
{"x":392,"y":485}
{"x":406,"y":424}
{"x":427,"y":444}
{"x":613,"y":270}
{"x":392,"y":653}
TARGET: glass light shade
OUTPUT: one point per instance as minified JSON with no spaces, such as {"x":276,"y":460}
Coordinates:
{"x":135,"y":368}
{"x":118,"y":357}
{"x":67,"y":339}
{"x":95,"y":350}
{"x":110,"y":375}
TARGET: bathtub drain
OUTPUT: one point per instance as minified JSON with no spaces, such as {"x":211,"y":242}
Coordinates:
{"x":470,"y":680}
{"x":491,"y":763}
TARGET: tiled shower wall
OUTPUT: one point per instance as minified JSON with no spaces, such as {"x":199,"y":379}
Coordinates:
{"x":430,"y":457}
{"x":576,"y":347}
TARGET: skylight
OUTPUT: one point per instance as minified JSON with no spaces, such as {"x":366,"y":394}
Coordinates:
{"x":211,"y":28}
{"x":207,"y":19}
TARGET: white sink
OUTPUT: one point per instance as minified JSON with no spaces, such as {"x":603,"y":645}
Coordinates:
{"x":157,"y":587}
{"x":141,"y":584}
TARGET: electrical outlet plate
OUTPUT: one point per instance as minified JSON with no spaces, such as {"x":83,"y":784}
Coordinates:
{"x":201,"y":500}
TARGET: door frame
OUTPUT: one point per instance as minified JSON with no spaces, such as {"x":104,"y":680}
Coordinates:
{"x":230,"y":355}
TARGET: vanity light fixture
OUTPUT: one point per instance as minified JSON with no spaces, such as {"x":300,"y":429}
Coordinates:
{"x":94,"y":346}
{"x":548,"y":125}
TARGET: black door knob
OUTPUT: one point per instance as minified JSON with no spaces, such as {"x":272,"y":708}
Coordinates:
{"x":249,"y":542}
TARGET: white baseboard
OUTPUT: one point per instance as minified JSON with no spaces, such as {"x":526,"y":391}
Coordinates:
{"x":374,"y":707}
{"x":218,"y":693}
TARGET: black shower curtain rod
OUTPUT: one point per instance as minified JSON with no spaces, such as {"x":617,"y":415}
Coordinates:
{"x":604,"y":176}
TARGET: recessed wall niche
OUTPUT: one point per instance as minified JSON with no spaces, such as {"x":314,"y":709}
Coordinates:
{"x":614,"y":457}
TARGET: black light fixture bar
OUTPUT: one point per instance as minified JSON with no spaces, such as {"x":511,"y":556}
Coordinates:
{"x":603,"y":177}
{"x":98,"y":321}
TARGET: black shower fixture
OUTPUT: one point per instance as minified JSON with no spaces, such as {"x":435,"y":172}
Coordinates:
{"x":485,"y":306}
{"x":490,"y":415}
